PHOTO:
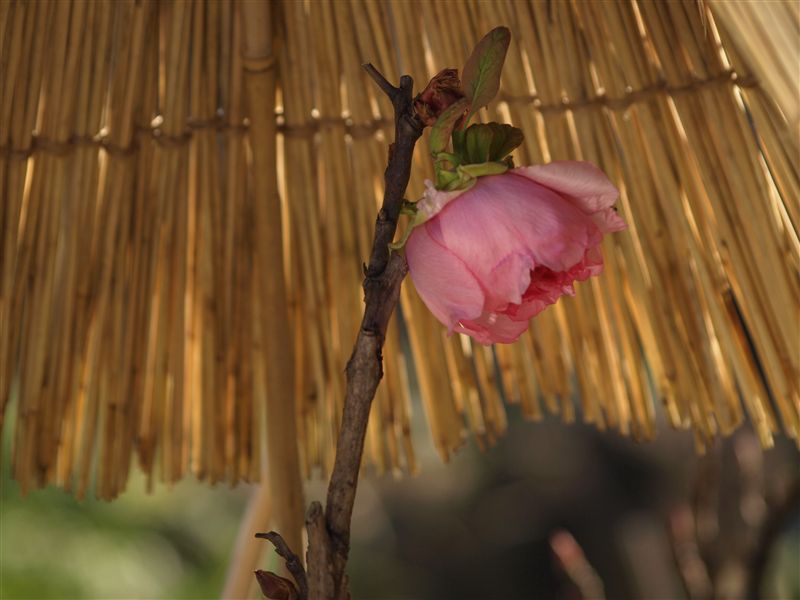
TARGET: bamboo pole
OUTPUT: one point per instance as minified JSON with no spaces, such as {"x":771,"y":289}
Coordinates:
{"x":282,"y":459}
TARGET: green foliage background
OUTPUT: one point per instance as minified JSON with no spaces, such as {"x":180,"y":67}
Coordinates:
{"x":173,"y":543}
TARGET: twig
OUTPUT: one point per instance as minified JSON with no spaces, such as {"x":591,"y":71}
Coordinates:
{"x":382,"y":82}
{"x":383,"y":276}
{"x":293,"y":562}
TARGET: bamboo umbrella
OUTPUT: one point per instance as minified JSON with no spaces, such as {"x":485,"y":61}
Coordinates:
{"x":188,"y":191}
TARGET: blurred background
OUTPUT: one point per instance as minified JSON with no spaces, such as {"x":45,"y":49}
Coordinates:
{"x":648,"y":521}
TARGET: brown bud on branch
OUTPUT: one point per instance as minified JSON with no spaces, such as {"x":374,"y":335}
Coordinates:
{"x":442,"y":91}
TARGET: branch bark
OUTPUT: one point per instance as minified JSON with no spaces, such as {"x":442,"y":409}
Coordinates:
{"x":383,"y":276}
{"x":329,"y":532}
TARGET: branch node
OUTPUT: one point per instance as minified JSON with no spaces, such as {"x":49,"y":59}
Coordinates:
{"x":406,"y":84}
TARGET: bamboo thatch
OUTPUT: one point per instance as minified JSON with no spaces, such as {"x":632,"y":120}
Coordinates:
{"x":143,"y":310}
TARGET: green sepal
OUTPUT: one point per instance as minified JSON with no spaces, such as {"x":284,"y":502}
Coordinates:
{"x":478,"y":143}
{"x":408,"y":208}
{"x":490,"y":142}
{"x":441,"y":130}
{"x":444,"y":178}
{"x":418,"y":218}
{"x":461,"y":181}
{"x":483,"y":169}
{"x":505,"y":138}
{"x":454,"y":159}
{"x":459,"y":141}
{"x":465,"y":176}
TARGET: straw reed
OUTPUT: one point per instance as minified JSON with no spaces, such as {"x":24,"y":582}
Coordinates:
{"x":181,"y":252}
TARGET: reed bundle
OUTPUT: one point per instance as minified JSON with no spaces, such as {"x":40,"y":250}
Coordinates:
{"x":143,"y":305}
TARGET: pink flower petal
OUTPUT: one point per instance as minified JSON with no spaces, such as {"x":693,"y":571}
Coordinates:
{"x":507,"y":214}
{"x":583,"y":184}
{"x":443,"y":281}
{"x":609,"y":221}
{"x":433,"y":200}
{"x":508,"y":281}
{"x":547,"y":286}
{"x":492,"y":328}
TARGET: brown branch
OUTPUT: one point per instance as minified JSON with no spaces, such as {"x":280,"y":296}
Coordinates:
{"x":329,"y":532}
{"x":383,"y":276}
{"x":320,"y":567}
{"x":382,"y":82}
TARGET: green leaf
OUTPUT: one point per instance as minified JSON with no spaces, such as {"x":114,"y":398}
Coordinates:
{"x":441,"y":130}
{"x":481,"y":74}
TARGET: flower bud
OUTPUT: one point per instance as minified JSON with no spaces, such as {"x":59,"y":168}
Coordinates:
{"x":442,"y":91}
{"x":276,"y":587}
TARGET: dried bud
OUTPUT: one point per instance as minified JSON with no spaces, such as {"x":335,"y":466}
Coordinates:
{"x":276,"y":587}
{"x":441,"y":92}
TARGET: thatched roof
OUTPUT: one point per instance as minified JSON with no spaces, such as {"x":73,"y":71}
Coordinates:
{"x":138,"y":310}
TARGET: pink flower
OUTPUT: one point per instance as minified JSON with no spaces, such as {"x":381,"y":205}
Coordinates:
{"x":491,"y":257}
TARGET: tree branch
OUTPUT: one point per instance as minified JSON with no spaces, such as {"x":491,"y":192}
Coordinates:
{"x":320,"y":568}
{"x":382,"y":82}
{"x":329,"y":532}
{"x":383,"y":276}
